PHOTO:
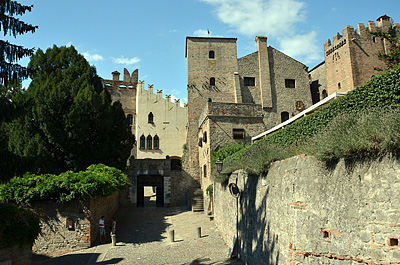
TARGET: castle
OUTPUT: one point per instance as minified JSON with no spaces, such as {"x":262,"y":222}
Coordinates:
{"x":233,"y":99}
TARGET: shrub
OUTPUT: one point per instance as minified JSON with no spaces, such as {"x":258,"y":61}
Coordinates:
{"x":17,"y":226}
{"x":97,"y":180}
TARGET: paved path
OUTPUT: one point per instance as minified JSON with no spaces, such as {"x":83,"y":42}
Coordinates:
{"x":142,"y":237}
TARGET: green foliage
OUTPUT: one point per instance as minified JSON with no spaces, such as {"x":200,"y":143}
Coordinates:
{"x":97,"y":180}
{"x":209,"y":191}
{"x":225,"y":151}
{"x":11,"y":53}
{"x":68,"y":121}
{"x":357,"y":134}
{"x":380,"y":92}
{"x":17,"y":226}
{"x":392,"y":57}
{"x":365,"y":121}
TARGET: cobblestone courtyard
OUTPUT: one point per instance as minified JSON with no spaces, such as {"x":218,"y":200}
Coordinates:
{"x":142,"y":238}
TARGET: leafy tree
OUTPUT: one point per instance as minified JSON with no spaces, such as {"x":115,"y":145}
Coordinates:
{"x":11,"y":53}
{"x":69,"y":122}
{"x":392,"y":56}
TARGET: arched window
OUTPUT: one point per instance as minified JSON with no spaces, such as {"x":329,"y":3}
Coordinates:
{"x":324,"y":93}
{"x":211,"y":54}
{"x":156,"y":142}
{"x":339,"y":86}
{"x":149,"y":142}
{"x":150,"y":118}
{"x":142,"y":142}
{"x":130,"y":119}
{"x":212,"y":81}
{"x":284,"y":116}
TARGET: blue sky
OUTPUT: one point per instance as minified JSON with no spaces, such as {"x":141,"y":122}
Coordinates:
{"x":150,"y":35}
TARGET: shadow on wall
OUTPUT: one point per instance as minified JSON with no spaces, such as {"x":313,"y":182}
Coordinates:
{"x":259,"y":243}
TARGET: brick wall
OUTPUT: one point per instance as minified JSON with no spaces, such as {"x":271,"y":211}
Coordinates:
{"x":305,"y":212}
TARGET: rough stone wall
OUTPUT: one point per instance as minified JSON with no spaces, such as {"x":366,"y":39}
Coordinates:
{"x":248,"y":67}
{"x":318,"y":82}
{"x":305,"y":212}
{"x":169,"y":124}
{"x":200,"y":68}
{"x":16,"y":255}
{"x":181,"y":184}
{"x":284,"y":99}
{"x":56,"y":238}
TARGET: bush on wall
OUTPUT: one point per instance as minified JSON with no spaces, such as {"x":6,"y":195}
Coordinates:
{"x":97,"y":180}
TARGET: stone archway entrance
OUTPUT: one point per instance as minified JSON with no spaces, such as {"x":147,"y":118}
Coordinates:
{"x":153,"y":181}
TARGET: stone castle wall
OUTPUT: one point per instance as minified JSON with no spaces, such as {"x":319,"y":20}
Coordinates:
{"x":169,"y":123}
{"x":305,"y":212}
{"x":350,"y":58}
{"x":57,"y":237}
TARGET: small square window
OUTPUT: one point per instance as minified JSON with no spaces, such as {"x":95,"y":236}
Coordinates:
{"x":290,"y":83}
{"x":238,"y":133}
{"x":249,"y":81}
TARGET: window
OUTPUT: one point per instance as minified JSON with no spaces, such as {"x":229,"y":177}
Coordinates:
{"x":290,"y":83}
{"x":156,"y":142}
{"x":130,"y":119}
{"x":324,"y":93}
{"x":205,"y":171}
{"x":205,"y":137}
{"x":249,"y":81}
{"x":284,"y":116}
{"x":238,"y":133}
{"x":211,"y":55}
{"x":151,"y":118}
{"x":149,"y":142}
{"x":212,"y":81}
{"x":201,"y":142}
{"x":142,"y":142}
{"x":338,"y":86}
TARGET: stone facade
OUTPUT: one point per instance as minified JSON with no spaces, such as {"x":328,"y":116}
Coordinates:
{"x":350,"y":58}
{"x":273,"y":85}
{"x":306,"y":212}
{"x":174,"y":188}
{"x":72,"y":226}
{"x":16,"y":255}
{"x":168,"y":122}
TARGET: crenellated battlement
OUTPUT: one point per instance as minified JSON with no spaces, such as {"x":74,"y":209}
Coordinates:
{"x":149,"y":93}
{"x":362,"y":34}
{"x":128,"y":82}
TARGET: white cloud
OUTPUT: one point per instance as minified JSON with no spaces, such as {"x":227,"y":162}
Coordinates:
{"x":279,"y":20}
{"x":126,"y":61}
{"x":303,"y":47}
{"x":68,"y":44}
{"x":251,"y":17}
{"x":93,"y":57}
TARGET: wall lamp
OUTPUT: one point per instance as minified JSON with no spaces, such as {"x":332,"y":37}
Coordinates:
{"x":219,"y":164}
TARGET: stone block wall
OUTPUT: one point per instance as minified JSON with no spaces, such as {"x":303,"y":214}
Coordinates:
{"x":57,"y":237}
{"x":306,"y":212}
{"x":16,"y":255}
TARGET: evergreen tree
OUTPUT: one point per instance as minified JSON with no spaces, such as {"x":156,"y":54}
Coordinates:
{"x":11,"y":53}
{"x":69,"y":122}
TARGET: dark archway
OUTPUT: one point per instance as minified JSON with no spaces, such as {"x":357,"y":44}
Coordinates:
{"x":154,"y":181}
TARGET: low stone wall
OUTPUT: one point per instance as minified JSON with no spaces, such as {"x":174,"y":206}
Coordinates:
{"x":72,"y":226}
{"x":305,"y":212}
{"x":16,"y":255}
